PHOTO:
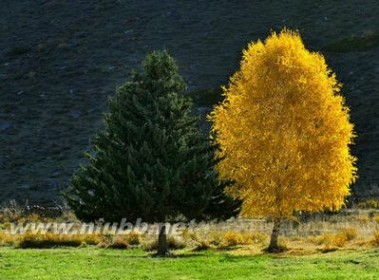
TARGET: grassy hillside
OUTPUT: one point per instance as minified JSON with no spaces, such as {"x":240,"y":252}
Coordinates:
{"x":60,"y":59}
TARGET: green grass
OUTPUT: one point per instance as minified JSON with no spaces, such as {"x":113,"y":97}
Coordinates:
{"x":93,"y":263}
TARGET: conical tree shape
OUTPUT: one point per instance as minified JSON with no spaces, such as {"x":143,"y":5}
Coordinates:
{"x":284,"y":131}
{"x":151,"y":161}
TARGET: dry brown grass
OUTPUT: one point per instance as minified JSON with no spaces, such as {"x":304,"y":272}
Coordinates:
{"x":375,"y":239}
{"x":173,"y":243}
{"x":52,"y":240}
{"x":351,"y":229}
{"x":6,"y":239}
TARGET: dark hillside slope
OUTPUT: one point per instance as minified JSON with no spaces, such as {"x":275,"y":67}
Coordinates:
{"x":60,"y":59}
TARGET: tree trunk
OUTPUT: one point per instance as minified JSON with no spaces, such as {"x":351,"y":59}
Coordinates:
{"x":274,"y":246}
{"x":162,"y":243}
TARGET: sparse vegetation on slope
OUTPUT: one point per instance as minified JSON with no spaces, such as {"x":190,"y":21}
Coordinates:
{"x":59,"y":60}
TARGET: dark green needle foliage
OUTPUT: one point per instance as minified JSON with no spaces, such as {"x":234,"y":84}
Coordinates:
{"x":151,"y":161}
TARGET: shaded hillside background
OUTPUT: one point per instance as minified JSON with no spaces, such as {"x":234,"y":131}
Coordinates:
{"x":61,"y":59}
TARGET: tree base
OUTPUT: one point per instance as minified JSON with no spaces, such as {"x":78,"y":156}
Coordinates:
{"x":276,"y":249}
{"x":167,"y":254}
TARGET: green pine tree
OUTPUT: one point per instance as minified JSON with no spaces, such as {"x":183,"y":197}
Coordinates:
{"x":151,"y":161}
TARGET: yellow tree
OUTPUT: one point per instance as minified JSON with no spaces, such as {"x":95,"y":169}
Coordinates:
{"x":284,"y":131}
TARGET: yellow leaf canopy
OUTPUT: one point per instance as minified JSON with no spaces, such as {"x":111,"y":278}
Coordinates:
{"x":284,"y":130}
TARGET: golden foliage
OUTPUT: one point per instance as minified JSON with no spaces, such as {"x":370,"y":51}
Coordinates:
{"x":284,"y":130}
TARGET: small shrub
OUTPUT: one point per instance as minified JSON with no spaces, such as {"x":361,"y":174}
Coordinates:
{"x":52,"y":240}
{"x":45,"y":241}
{"x":6,"y":239}
{"x":133,"y":238}
{"x":328,"y":249}
{"x":215,"y":238}
{"x":232,"y":238}
{"x":329,"y":239}
{"x":118,"y":243}
{"x":173,"y":244}
{"x":258,"y":237}
{"x":90,"y":239}
{"x":188,"y":235}
{"x":339,"y":239}
{"x":349,"y":233}
{"x":202,"y":246}
{"x":5,"y":225}
{"x":33,"y":218}
{"x":200,"y":243}
{"x":318,"y":240}
{"x":363,"y":219}
{"x":121,"y":241}
{"x":224,"y":239}
{"x":368,"y":204}
{"x":375,"y":240}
